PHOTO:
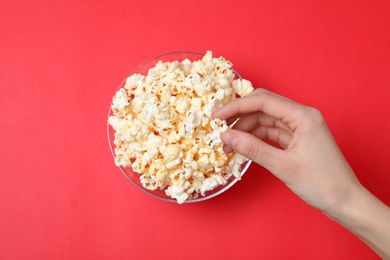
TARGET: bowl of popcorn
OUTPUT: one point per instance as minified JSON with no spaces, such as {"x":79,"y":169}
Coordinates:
{"x":160,"y":129}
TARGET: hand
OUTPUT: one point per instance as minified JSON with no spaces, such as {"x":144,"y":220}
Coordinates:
{"x":305,"y":157}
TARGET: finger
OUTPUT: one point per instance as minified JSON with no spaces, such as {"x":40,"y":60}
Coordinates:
{"x":273,"y":105}
{"x":247,"y":121}
{"x":260,"y":101}
{"x":272,"y":134}
{"x":233,"y":119}
{"x":275,"y":135}
{"x":257,"y":90}
{"x":264,"y":127}
{"x":258,"y":120}
{"x":253,"y":148}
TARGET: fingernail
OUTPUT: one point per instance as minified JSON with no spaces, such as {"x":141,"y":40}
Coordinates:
{"x":227,"y":149}
{"x":229,"y":139}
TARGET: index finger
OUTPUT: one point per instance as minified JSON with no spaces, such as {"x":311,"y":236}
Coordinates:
{"x":264,"y":101}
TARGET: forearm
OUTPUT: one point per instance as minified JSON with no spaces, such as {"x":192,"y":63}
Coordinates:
{"x":368,"y":218}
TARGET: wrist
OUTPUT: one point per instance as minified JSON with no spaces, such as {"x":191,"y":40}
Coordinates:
{"x":346,"y":204}
{"x":367,"y":217}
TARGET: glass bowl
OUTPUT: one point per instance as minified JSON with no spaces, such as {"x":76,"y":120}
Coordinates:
{"x":134,"y":177}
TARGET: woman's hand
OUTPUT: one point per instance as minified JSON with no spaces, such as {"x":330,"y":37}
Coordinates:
{"x":294,"y":143}
{"x":305,"y":157}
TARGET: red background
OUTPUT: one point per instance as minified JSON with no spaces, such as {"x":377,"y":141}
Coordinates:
{"x":62,"y":197}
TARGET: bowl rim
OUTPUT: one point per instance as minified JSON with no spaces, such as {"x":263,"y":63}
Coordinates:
{"x":109,"y":129}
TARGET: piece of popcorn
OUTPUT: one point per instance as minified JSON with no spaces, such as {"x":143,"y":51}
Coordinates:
{"x":177,"y":192}
{"x":207,"y":57}
{"x":186,"y":129}
{"x":172,"y":137}
{"x":149,"y":111}
{"x":172,"y":164}
{"x":211,"y":183}
{"x":189,"y":165}
{"x":212,"y":104}
{"x":148,"y":182}
{"x":197,"y":140}
{"x":123,"y":158}
{"x":139,"y":101}
{"x":135,"y":148}
{"x":194,"y":116}
{"x":152,"y":145}
{"x":196,"y":104}
{"x":139,"y":130}
{"x":119,"y":102}
{"x":214,"y":138}
{"x":115,"y":122}
{"x":164,"y":94}
{"x":220,"y":94}
{"x":138,"y":165}
{"x":235,"y":164}
{"x":202,"y":88}
{"x":177,"y":176}
{"x":181,"y":104}
{"x":204,"y":164}
{"x":172,"y":66}
{"x":171,"y":152}
{"x":134,"y":81}
{"x":186,"y":67}
{"x":179,"y":186}
{"x":242,"y":87}
{"x":204,"y":67}
{"x":157,"y":168}
{"x":204,"y":150}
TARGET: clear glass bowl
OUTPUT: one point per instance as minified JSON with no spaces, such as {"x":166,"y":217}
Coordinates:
{"x":134,"y":177}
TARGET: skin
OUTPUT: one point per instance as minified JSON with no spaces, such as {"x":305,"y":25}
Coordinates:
{"x":293,"y":142}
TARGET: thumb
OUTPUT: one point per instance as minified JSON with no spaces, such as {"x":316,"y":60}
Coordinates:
{"x":252,"y":148}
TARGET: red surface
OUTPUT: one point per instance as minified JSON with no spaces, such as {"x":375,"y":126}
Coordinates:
{"x":62,"y":197}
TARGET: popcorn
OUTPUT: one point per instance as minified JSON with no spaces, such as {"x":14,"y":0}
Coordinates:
{"x":152,"y":151}
{"x":235,"y":164}
{"x":212,"y":182}
{"x":171,"y":154}
{"x":120,"y":102}
{"x":164,"y":130}
{"x":213,"y":139}
{"x":242,"y":87}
